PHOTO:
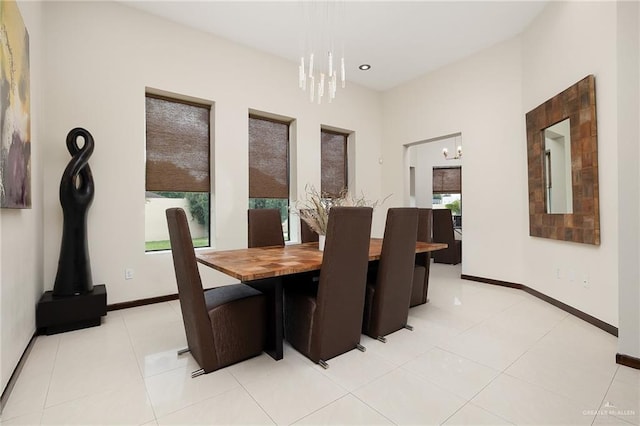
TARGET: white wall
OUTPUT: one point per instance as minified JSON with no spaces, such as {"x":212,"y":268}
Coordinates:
{"x":486,"y":96}
{"x":580,"y":38}
{"x":480,"y":97}
{"x":97,"y":81}
{"x":629,"y":177}
{"x":21,"y":279}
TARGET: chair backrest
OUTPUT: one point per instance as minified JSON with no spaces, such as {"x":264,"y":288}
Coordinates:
{"x":194,"y":311}
{"x":307,"y":235}
{"x":425,"y":220}
{"x":423,"y":260}
{"x":265,"y":228}
{"x":390,"y":305}
{"x":443,"y":226}
{"x":343,"y":277}
{"x":425,"y":223}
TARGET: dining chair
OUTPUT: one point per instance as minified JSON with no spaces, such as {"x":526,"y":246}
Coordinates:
{"x":265,"y":228}
{"x":387,"y":298}
{"x":422,"y":260}
{"x":443,"y":233}
{"x":307,"y":235}
{"x":223,"y":325}
{"x":325,"y":320}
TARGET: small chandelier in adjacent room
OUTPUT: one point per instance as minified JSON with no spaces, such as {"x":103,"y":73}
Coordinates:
{"x":458,"y":154}
{"x":321,"y":68}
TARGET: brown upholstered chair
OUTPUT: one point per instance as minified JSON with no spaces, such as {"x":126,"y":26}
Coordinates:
{"x":265,"y":228}
{"x":387,"y":299}
{"x":223,"y":325}
{"x":307,"y":235}
{"x":422,"y":261}
{"x":325,"y":320}
{"x":443,"y":233}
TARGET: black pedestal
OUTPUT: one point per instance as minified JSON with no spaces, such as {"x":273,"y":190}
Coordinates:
{"x":59,"y":314}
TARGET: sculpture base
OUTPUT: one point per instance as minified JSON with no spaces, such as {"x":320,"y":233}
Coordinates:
{"x":60,"y":314}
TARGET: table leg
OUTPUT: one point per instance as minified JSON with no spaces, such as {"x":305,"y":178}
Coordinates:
{"x":272,"y":289}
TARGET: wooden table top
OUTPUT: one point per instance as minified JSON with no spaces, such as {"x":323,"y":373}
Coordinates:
{"x":267,"y":262}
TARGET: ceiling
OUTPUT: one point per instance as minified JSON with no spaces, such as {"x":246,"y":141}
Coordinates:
{"x":400,"y":39}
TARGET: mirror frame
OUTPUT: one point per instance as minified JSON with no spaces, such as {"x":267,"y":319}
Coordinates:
{"x":578,"y":104}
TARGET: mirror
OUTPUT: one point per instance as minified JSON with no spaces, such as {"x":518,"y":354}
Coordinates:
{"x":557,"y":168}
{"x":562,"y":157}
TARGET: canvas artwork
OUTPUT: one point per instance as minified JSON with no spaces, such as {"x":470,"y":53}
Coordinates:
{"x":15,"y":117}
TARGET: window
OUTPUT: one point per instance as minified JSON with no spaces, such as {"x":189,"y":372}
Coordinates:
{"x":269,"y":167}
{"x":447,"y":191}
{"x":447,"y":180}
{"x":333,"y":162}
{"x":177,"y":168}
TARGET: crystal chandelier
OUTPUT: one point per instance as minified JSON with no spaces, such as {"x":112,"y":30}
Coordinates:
{"x":320,"y":70}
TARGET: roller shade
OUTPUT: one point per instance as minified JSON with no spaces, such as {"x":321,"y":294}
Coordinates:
{"x":268,"y":158}
{"x":177,"y":145}
{"x":333,"y":162}
{"x":447,"y":180}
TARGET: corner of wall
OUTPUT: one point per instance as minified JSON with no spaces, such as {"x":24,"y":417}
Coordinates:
{"x":21,"y":253}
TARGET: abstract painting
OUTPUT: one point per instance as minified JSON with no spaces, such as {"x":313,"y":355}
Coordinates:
{"x":15,"y":117}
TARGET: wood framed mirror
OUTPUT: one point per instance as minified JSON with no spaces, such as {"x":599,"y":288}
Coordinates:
{"x":563,"y":166}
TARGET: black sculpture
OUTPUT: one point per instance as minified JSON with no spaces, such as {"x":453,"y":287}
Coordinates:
{"x":76,"y":194}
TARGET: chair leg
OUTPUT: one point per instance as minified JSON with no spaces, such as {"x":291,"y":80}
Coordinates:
{"x":183,"y":351}
{"x":323,"y":364}
{"x":197,"y":373}
{"x":360,"y":347}
{"x":408,"y":327}
{"x":382,"y":339}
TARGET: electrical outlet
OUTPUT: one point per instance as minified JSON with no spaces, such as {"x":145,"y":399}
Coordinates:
{"x":572,"y":276}
{"x":585,"y":280}
{"x":128,"y":274}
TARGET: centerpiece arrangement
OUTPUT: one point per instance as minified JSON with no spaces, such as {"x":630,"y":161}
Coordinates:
{"x":314,"y":208}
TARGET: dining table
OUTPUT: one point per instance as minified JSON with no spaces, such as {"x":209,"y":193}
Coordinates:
{"x":264,"y":268}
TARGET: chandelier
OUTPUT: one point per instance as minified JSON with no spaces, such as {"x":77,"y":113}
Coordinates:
{"x":321,"y":70}
{"x":458,"y":154}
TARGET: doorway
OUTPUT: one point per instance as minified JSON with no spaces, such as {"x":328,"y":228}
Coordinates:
{"x":434,"y":176}
{"x":423,"y":158}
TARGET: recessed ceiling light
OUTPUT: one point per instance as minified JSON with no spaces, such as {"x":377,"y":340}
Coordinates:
{"x":364,"y":67}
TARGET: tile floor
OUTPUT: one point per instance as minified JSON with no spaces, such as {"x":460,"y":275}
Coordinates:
{"x":479,"y":354}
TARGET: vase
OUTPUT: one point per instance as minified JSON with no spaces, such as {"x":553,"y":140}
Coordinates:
{"x":321,"y":239}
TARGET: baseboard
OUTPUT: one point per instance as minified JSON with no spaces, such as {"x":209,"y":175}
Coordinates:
{"x":16,"y":373}
{"x":141,"y":302}
{"x":567,"y":308}
{"x":628,"y":361}
{"x":113,"y":307}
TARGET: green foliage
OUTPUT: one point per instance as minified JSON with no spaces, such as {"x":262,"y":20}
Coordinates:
{"x":171,"y":194}
{"x":199,"y":206}
{"x":166,"y":245}
{"x":454,"y":207}
{"x":281,"y":204}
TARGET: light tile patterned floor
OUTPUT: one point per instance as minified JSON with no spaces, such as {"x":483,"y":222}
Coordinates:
{"x":479,"y":354}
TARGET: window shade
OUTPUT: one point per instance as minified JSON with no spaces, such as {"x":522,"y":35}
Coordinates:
{"x":177,"y":146}
{"x":447,"y":180}
{"x":333,"y":160}
{"x":268,"y":158}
